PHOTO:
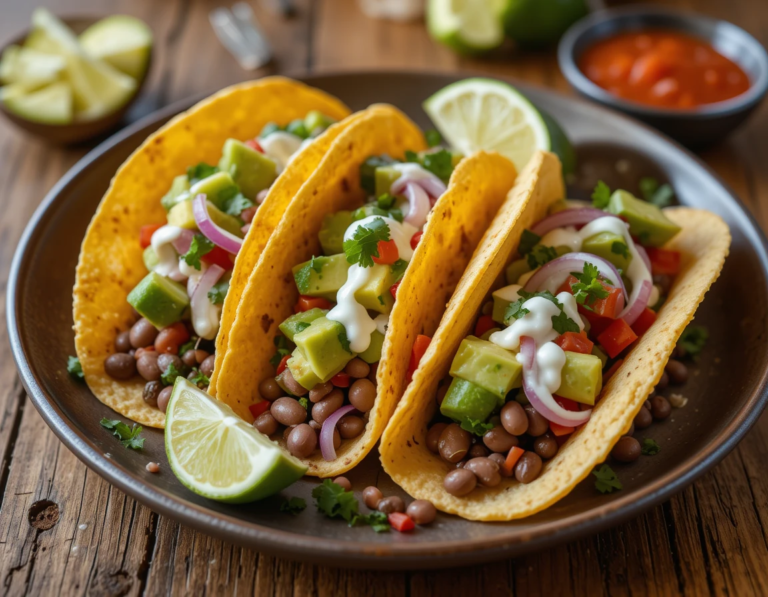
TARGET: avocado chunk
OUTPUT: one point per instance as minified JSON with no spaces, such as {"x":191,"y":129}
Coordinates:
{"x":501,"y":300}
{"x":373,"y":209}
{"x":373,"y":353}
{"x":368,"y":171}
{"x":302,"y":371}
{"x":218,"y":188}
{"x":465,"y":400}
{"x":300,"y":321}
{"x":610,"y":247}
{"x":375,"y":294}
{"x":384,"y":177}
{"x":158,"y":299}
{"x":321,"y":344}
{"x":332,"y":232}
{"x":646,"y":221}
{"x":315,"y":122}
{"x":488,"y":366}
{"x":581,"y":378}
{"x":178,"y":192}
{"x":251,"y":170}
{"x":183,"y":216}
{"x":321,"y":276}
{"x":150,"y":258}
{"x":516,"y":269}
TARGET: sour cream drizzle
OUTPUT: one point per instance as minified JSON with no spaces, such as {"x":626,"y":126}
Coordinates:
{"x":281,"y":147}
{"x":167,"y":257}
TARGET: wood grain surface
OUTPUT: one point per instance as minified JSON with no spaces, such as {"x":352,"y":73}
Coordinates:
{"x":710,"y":539}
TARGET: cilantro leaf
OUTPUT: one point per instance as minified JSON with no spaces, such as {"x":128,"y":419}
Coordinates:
{"x":396,"y":214}
{"x":650,"y":447}
{"x":169,"y":377}
{"x":589,"y":289}
{"x":200,"y":171}
{"x":344,"y":340}
{"x":693,"y":339}
{"x":189,"y":344}
{"x":294,"y":506}
{"x":234,"y":202}
{"x":433,"y":137}
{"x":546,"y":294}
{"x":378,"y":521}
{"x":562,"y":323}
{"x":601,"y":195}
{"x":129,"y":436}
{"x":439,"y":163}
{"x":281,"y":343}
{"x":607,"y":481}
{"x":332,"y":500}
{"x":659,"y":195}
{"x":74,"y":368}
{"x":620,"y":248}
{"x":515,"y":310}
{"x":364,"y":244}
{"x":541,"y":254}
{"x":301,"y":326}
{"x":398,"y":269}
{"x":412,"y":156}
{"x":476,"y":427}
{"x":528,"y":240}
{"x":199,"y":246}
{"x":200,"y":378}
{"x":218,"y":293}
{"x":385,"y":201}
{"x":304,"y":402}
{"x":303,"y":275}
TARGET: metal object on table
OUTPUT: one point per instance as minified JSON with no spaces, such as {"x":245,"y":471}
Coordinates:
{"x":239,"y":32}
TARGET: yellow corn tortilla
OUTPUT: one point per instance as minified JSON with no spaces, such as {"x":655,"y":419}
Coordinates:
{"x":703,"y":243}
{"x":111,"y":261}
{"x":457,"y":222}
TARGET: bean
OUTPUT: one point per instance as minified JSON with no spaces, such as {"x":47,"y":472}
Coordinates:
{"x":123,"y":342}
{"x":545,"y":446}
{"x":302,"y":440}
{"x":499,"y":440}
{"x":320,"y":391}
{"x":164,"y":397}
{"x":189,"y":358}
{"x":643,"y":419}
{"x":287,"y":411}
{"x":270,"y":390}
{"x":627,"y":449}
{"x":120,"y":366}
{"x":294,"y":387}
{"x":460,"y":482}
{"x":327,"y":406}
{"x":453,"y":443}
{"x":486,"y":470}
{"x":362,"y":395}
{"x":513,"y":418}
{"x":336,"y":439}
{"x":350,"y":426}
{"x":677,"y":371}
{"x":152,"y":390}
{"x":647,"y":404}
{"x":372,"y":373}
{"x":357,"y":368}
{"x":663,"y":381}
{"x":315,"y":425}
{"x":142,"y":334}
{"x":140,"y":352}
{"x":500,"y":459}
{"x":441,"y":392}
{"x":248,"y":213}
{"x":631,"y":431}
{"x":528,"y":467}
{"x":147,"y":366}
{"x":478,"y":451}
{"x":421,"y":511}
{"x":537,"y":424}
{"x":265,"y":423}
{"x":169,"y":339}
{"x":679,"y":352}
{"x":344,"y":483}
{"x":201,"y":355}
{"x":372,"y":496}
{"x":433,"y":436}
{"x":165,"y":360}
{"x":660,"y":408}
{"x":287,"y":432}
{"x":206,"y":367}
{"x":153,"y":467}
{"x":393,"y":503}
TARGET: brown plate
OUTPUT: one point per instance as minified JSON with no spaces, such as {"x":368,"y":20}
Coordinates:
{"x":727,"y":389}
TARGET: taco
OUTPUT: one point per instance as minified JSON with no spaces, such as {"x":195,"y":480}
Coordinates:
{"x":157,"y":259}
{"x":353,"y":281}
{"x":586,"y":307}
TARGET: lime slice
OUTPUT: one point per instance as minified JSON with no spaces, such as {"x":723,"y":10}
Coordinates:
{"x":466,"y":26}
{"x":476,"y":114}
{"x":30,"y":68}
{"x":216,"y":454}
{"x":122,"y":41}
{"x":51,"y":104}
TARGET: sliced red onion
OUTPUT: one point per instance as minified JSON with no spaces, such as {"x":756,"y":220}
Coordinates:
{"x":643,"y":255}
{"x":261,"y":195}
{"x":430,"y":183}
{"x":419,"y":204}
{"x":218,"y":236}
{"x":635,"y":308}
{"x":574,"y":262}
{"x":545,"y":403}
{"x":183,"y":241}
{"x":569,"y":217}
{"x":326,"y":432}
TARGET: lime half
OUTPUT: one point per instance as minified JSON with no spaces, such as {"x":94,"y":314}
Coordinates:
{"x":122,"y":41}
{"x":466,"y":26}
{"x":476,"y":114}
{"x":216,"y":454}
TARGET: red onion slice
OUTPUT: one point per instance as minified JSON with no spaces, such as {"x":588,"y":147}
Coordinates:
{"x":636,"y":307}
{"x":430,"y":183}
{"x":218,"y":236}
{"x":326,"y":432}
{"x":183,"y":241}
{"x":569,"y":217}
{"x":545,"y":404}
{"x":574,"y":262}
{"x":643,"y":255}
{"x":419,"y":204}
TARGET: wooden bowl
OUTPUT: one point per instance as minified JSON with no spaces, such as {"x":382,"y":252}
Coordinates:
{"x":76,"y":132}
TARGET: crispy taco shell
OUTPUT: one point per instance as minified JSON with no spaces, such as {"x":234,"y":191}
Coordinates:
{"x":703,"y":242}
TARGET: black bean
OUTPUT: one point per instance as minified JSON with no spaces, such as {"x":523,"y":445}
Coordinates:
{"x":627,"y":449}
{"x":500,"y":459}
{"x":165,"y":360}
{"x":302,"y":440}
{"x":270,"y":390}
{"x":677,"y":371}
{"x":453,"y":443}
{"x":120,"y":366}
{"x":344,"y":483}
{"x":206,"y":367}
{"x":147,"y":366}
{"x":528,"y":467}
{"x":478,"y":451}
{"x":320,"y":391}
{"x":357,"y":368}
{"x":266,"y":423}
{"x":164,"y":397}
{"x":372,"y":496}
{"x":660,"y":408}
{"x":499,"y":439}
{"x":433,"y":437}
{"x":460,"y":482}
{"x":421,"y":511}
{"x":152,"y":390}
{"x":123,"y":342}
{"x":287,"y":411}
{"x":393,"y":503}
{"x":362,"y":395}
{"x":513,"y":418}
{"x":142,"y":334}
{"x":537,"y":424}
{"x":327,"y":406}
{"x":643,"y":419}
{"x":663,"y":382}
{"x":350,"y":426}
{"x":486,"y":470}
{"x":545,"y":446}
{"x":189,"y":358}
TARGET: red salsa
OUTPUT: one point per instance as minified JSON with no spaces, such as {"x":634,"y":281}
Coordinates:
{"x":660,"y":68}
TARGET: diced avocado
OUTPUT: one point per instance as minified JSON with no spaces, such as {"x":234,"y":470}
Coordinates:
{"x":218,"y":188}
{"x":368,"y":171}
{"x":250,"y":170}
{"x":316,"y":121}
{"x":322,"y":277}
{"x":375,"y":295}
{"x":321,"y":344}
{"x":646,"y":221}
{"x":178,"y":192}
{"x":515,"y":270}
{"x":501,"y":300}
{"x":610,"y":247}
{"x":302,"y":371}
{"x":182,"y":215}
{"x":367,"y":210}
{"x":297,"y":127}
{"x":581,"y":378}
{"x":160,"y":300}
{"x":150,"y":258}
{"x":332,"y":232}
{"x":487,"y":365}
{"x":384,"y":177}
{"x":598,"y":352}
{"x":373,"y":353}
{"x":300,"y":321}
{"x":465,"y":400}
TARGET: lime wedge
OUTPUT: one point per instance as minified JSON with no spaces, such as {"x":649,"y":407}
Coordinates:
{"x":51,"y":104}
{"x":476,"y":114}
{"x":216,"y":454}
{"x":122,"y":41}
{"x":466,"y":26}
{"x":30,"y":68}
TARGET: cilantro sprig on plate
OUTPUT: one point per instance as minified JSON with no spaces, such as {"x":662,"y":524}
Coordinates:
{"x":607,"y":481}
{"x":129,"y":436}
{"x":74,"y":368}
{"x":364,"y":244}
{"x":334,"y":501}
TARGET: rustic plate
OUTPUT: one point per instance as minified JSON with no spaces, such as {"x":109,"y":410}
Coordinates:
{"x":727,"y":390}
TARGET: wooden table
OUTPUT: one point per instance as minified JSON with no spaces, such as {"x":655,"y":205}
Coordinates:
{"x":710,"y":539}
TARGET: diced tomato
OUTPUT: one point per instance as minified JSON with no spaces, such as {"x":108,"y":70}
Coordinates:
{"x":145,"y":236}
{"x":341,"y":380}
{"x":607,"y":307}
{"x":283,"y":364}
{"x":664,"y":261}
{"x":567,"y":404}
{"x":311,"y":302}
{"x":254,"y":144}
{"x":258,"y":408}
{"x":560,"y":430}
{"x":401,"y":522}
{"x":388,"y":252}
{"x":615,"y":367}
{"x":573,"y":342}
{"x":416,"y":238}
{"x":616,"y":337}
{"x":514,"y":455}
{"x":645,"y":321}
{"x":484,"y":324}
{"x":420,"y":346}
{"x":393,"y":289}
{"x":218,"y":256}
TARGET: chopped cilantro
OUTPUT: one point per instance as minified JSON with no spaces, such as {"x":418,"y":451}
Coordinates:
{"x":304,"y":402}
{"x":302,"y":275}
{"x":381,"y":300}
{"x":562,"y":323}
{"x":476,"y":427}
{"x":233,"y":202}
{"x":368,"y":171}
{"x":601,"y":195}
{"x":528,"y":240}
{"x":199,"y":172}
{"x":218,"y":293}
{"x":396,"y":214}
{"x":433,"y":137}
{"x":398,"y":269}
{"x":515,"y":310}
{"x":301,"y":326}
{"x":200,"y":379}
{"x":169,"y":377}
{"x":385,"y":201}
{"x":659,"y":195}
{"x":332,"y":500}
{"x":200,"y":246}
{"x":439,"y":163}
{"x":129,"y":436}
{"x":74,"y":368}
{"x":650,"y":447}
{"x":541,"y":254}
{"x":693,"y":339}
{"x":269,"y":128}
{"x":588,"y":289}
{"x":364,"y":244}
{"x":189,"y":344}
{"x":378,"y":521}
{"x":620,"y":248}
{"x":281,"y":343}
{"x":344,"y":340}
{"x":411,"y":156}
{"x":293,"y":506}
{"x":607,"y":481}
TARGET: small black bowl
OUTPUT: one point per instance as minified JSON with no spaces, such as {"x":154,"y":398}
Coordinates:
{"x":697,"y":127}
